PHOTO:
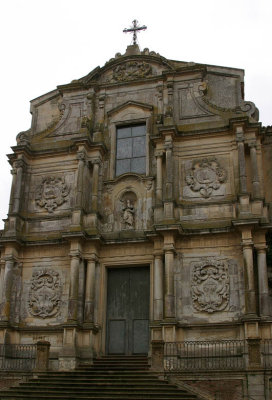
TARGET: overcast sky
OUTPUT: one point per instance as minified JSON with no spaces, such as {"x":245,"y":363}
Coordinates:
{"x":45,"y":43}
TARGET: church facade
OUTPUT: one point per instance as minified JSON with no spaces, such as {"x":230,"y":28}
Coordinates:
{"x":139,"y":212}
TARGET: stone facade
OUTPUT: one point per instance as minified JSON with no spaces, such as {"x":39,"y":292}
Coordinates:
{"x":197,"y":214}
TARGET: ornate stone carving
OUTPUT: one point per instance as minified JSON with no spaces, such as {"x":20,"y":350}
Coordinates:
{"x":210,"y":285}
{"x":205,"y":176}
{"x":131,"y":70}
{"x":45,"y":294}
{"x":52,"y":193}
{"x":23,"y":137}
{"x":128,"y":215}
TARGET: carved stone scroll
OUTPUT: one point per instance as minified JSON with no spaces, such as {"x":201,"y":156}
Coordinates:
{"x":210,"y":285}
{"x":205,"y":176}
{"x":45,"y":294}
{"x":52,"y":193}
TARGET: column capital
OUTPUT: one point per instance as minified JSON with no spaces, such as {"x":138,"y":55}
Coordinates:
{"x":96,"y":160}
{"x":261,"y":248}
{"x":169,"y":248}
{"x":81,"y":155}
{"x":9,"y":258}
{"x":75,"y":254}
{"x":252,"y":144}
{"x":19,"y":164}
{"x":168,"y":145}
{"x":239,"y":133}
{"x":158,"y":254}
{"x":247,"y":243}
{"x":159,"y":153}
{"x":91,"y":257}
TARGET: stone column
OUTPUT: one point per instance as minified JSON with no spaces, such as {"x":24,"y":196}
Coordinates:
{"x":42,"y":358}
{"x":157,"y":358}
{"x":169,"y":171}
{"x":80,"y":173}
{"x":169,"y":304}
{"x":96,"y":164}
{"x":263,"y":281}
{"x":158,"y":288}
{"x":13,"y":185}
{"x":250,"y":295}
{"x":7,"y":287}
{"x":2,"y":273}
{"x":19,"y":165}
{"x":90,"y":290}
{"x":241,"y":160}
{"x":73,"y":290}
{"x":159,"y":155}
{"x":254,"y":171}
{"x":254,"y":353}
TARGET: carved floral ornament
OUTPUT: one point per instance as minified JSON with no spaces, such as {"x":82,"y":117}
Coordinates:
{"x":52,"y":193}
{"x":45,"y":294}
{"x":210,"y":285}
{"x":205,"y":176}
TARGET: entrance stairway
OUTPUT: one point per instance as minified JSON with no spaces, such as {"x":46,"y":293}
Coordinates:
{"x":110,"y":377}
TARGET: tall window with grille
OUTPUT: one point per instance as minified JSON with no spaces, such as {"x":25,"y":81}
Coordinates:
{"x":131,"y":149}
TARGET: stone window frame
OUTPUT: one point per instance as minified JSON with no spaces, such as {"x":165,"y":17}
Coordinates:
{"x":131,"y":126}
{"x":113,"y":135}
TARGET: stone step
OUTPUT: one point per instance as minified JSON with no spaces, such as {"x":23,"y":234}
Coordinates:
{"x":84,"y":397}
{"x":98,"y":384}
{"x":108,"y":378}
{"x":120,"y":379}
{"x":111,"y":391}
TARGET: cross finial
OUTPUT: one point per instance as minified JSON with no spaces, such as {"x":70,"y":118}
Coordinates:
{"x":134,"y":29}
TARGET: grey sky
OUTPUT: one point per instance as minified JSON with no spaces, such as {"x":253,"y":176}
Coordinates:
{"x":47,"y":43}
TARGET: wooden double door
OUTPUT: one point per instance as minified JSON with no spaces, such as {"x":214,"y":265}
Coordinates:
{"x":128,"y":296}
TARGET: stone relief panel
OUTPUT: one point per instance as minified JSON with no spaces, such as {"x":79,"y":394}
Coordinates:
{"x":210,"y":285}
{"x":45,"y":294}
{"x":204,"y":178}
{"x":52,"y":193}
{"x":131,"y":70}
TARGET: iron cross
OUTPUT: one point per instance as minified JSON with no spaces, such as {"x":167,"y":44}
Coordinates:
{"x":134,"y":29}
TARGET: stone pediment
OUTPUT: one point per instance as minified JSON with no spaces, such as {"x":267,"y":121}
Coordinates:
{"x":129,"y":68}
{"x":130,"y":104}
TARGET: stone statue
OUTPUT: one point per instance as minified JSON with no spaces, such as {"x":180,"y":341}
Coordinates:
{"x":128,"y":215}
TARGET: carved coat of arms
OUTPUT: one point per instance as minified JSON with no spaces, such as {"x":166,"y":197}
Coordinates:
{"x":210,"y":285}
{"x":45,"y":294}
{"x":205,"y":176}
{"x":52,"y":193}
{"x":131,"y":70}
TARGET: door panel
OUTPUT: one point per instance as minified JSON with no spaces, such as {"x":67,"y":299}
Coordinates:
{"x":140,"y":336}
{"x":128,"y":310}
{"x":117,"y":334}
